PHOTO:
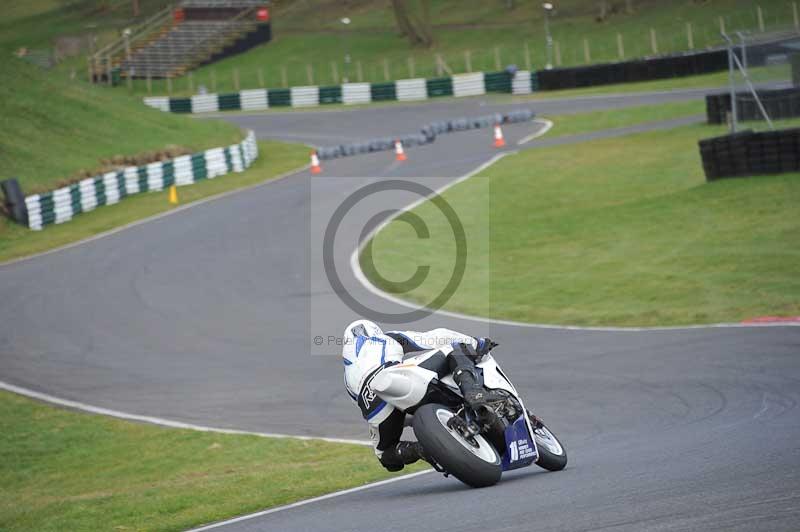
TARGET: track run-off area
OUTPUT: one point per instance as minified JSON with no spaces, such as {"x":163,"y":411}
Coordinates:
{"x":207,"y":317}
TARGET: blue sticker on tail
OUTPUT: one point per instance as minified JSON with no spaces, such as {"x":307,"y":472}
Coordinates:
{"x":520,"y":447}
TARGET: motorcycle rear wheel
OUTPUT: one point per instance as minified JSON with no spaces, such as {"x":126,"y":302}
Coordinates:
{"x":476,"y":463}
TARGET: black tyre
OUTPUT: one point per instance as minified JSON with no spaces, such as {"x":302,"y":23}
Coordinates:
{"x":552,"y":455}
{"x":476,"y":463}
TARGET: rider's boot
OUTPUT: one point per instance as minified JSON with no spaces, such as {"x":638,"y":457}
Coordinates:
{"x":466,"y":377}
{"x":402,"y":454}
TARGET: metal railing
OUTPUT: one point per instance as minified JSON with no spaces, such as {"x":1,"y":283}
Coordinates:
{"x":114,"y":52}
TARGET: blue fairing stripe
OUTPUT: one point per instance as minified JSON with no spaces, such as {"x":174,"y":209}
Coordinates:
{"x":346,"y":362}
{"x":374,"y":412}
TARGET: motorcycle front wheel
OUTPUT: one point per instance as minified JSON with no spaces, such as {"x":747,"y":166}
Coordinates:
{"x":552,"y":455}
{"x":473,"y":461}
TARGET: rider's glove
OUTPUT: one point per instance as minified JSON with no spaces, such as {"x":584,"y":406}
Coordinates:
{"x":484,"y":346}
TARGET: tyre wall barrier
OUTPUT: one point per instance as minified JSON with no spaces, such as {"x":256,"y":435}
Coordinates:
{"x":689,"y":64}
{"x":669,"y":66}
{"x":60,"y":205}
{"x":748,"y":153}
{"x":779,"y":104}
{"x":520,"y":82}
{"x":426,"y":135}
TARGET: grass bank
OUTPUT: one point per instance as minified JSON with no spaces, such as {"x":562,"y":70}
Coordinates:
{"x":621,"y":231}
{"x":54,"y":128}
{"x":62,"y":470}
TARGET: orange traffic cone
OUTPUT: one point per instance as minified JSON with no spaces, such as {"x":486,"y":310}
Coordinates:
{"x":400,"y":155}
{"x":499,"y":141}
{"x":173,"y":195}
{"x":315,"y":167}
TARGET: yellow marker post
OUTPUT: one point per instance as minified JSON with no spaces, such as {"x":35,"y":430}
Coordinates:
{"x":173,"y":195}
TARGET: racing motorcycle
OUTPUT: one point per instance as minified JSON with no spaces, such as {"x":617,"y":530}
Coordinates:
{"x":473,"y":445}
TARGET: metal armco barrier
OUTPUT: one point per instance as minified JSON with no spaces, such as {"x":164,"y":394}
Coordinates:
{"x":474,"y":84}
{"x":748,"y":153}
{"x":62,"y":204}
{"x":779,"y":104}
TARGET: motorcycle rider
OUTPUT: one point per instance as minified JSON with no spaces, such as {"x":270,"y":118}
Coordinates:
{"x":367,"y":349}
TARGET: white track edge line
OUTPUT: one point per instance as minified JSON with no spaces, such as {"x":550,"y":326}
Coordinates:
{"x":76,"y":405}
{"x":309,"y":501}
{"x":358,"y":273}
{"x":547,"y":125}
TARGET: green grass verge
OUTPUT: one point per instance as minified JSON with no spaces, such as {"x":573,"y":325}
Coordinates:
{"x":575,"y":124}
{"x":62,"y":470}
{"x":275,"y":158}
{"x":620,"y":231}
{"x":53,"y":128}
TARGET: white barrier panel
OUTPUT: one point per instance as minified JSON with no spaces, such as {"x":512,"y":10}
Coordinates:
{"x":305,"y":96}
{"x":131,"y":180}
{"x":182,"y":166}
{"x":469,"y":84}
{"x":112,"y":188}
{"x":236,"y":158}
{"x":205,"y":103}
{"x":253,"y":99}
{"x":356,"y":93}
{"x":411,"y":89}
{"x":215,"y":162}
{"x":88,"y":194}
{"x":62,"y":205}
{"x":521,"y":84}
{"x":155,"y":176}
{"x":158,"y":102}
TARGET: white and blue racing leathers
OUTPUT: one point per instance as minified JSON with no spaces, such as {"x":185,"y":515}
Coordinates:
{"x":368,"y":349}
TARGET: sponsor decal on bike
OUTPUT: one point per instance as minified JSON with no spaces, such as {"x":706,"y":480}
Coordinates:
{"x":520,"y":448}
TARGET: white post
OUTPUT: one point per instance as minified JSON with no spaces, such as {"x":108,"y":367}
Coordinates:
{"x":796,"y":17}
{"x":310,"y":73}
{"x":690,"y":35}
{"x":468,"y":60}
{"x":760,"y":18}
{"x":558,"y":53}
{"x":653,"y":41}
{"x":359,"y":71}
{"x":335,"y":73}
{"x":620,"y":46}
{"x":721,"y":25}
{"x":586,"y":53}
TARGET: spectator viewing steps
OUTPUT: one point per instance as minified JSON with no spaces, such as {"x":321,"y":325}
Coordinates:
{"x":171,"y":42}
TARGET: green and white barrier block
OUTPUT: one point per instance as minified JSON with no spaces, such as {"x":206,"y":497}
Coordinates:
{"x":62,"y":204}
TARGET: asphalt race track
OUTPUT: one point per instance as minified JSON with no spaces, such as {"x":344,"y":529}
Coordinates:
{"x":207,"y":316}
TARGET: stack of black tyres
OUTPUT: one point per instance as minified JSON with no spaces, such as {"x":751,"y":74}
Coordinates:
{"x":748,"y":153}
{"x":778,"y":103}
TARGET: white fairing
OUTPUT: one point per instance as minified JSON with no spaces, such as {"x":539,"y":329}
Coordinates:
{"x":491,"y":376}
{"x":402,"y":386}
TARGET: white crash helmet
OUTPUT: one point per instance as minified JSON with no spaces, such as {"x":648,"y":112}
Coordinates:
{"x":367,"y":329}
